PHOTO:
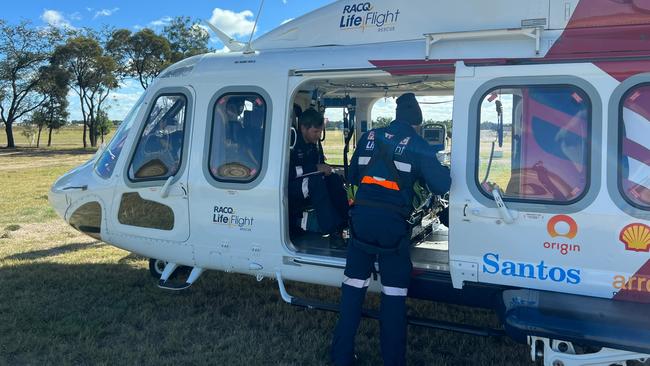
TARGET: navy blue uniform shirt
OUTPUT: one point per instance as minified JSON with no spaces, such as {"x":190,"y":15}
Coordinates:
{"x":414,"y":158}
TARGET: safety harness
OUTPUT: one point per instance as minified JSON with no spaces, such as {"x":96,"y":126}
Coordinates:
{"x":383,"y":153}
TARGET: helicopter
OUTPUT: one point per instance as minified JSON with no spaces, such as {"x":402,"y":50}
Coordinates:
{"x":549,"y":153}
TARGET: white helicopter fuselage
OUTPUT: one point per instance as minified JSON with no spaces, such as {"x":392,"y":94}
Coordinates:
{"x":586,"y":240}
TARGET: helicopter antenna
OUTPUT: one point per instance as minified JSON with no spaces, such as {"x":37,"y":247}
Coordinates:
{"x":230,"y":42}
{"x":249,"y":49}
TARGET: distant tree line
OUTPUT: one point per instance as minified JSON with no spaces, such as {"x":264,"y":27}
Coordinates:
{"x":40,"y":66}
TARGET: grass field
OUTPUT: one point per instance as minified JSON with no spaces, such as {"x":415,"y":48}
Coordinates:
{"x":66,"y":299}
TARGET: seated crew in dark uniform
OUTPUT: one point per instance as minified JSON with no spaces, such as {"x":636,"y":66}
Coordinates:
{"x":313,"y":181}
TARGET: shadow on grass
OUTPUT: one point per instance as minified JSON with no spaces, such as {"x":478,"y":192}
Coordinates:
{"x":43,"y":153}
{"x":115,"y":314}
{"x":64,"y":249}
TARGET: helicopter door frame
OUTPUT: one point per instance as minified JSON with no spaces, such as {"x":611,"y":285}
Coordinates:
{"x":169,"y":193}
{"x":520,"y":242}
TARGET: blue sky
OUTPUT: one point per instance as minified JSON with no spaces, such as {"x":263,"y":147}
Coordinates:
{"x":236,"y":18}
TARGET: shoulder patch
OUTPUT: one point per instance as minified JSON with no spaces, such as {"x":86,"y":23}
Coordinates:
{"x":371,"y":135}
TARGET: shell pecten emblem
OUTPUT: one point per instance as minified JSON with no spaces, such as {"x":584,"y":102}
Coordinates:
{"x":636,"y":237}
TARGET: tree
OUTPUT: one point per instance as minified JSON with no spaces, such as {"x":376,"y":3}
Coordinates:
{"x":186,"y":37}
{"x":381,"y":122}
{"x":92,"y":76}
{"x":23,"y":51}
{"x":142,"y":55}
{"x":53,"y":113}
{"x":104,"y":124}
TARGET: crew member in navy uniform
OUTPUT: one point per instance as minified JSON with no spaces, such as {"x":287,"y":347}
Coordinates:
{"x":313,"y":181}
{"x":385,"y":166}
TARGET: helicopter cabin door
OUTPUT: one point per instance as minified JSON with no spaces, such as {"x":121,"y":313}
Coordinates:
{"x":526,"y":206}
{"x":152,"y":201}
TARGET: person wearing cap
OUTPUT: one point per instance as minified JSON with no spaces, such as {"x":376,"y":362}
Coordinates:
{"x":385,"y":166}
{"x":312,"y":181}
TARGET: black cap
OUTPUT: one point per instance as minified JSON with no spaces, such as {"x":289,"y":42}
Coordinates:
{"x":408,"y":109}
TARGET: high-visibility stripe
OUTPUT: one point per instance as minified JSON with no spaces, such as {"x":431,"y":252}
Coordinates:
{"x":394,"y":291}
{"x":364,"y":160}
{"x":403,"y":167}
{"x":380,"y":182}
{"x":356,"y":282}
{"x":305,"y":187}
{"x":298,"y":171}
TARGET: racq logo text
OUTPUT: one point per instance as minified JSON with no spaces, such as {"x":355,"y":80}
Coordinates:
{"x":363,"y":15}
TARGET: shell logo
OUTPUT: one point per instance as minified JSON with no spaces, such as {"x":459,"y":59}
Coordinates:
{"x":636,"y":237}
{"x":554,"y":223}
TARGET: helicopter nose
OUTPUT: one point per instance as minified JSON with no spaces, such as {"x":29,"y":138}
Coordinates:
{"x":58,"y":201}
{"x":62,"y":191}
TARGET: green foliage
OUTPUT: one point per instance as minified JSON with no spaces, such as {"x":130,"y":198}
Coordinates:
{"x":104,"y":124}
{"x":381,"y":122}
{"x":186,"y":37}
{"x":24,"y":50}
{"x":142,"y":55}
{"x":91,"y":74}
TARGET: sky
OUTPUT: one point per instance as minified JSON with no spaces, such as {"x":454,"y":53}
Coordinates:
{"x":236,"y":18}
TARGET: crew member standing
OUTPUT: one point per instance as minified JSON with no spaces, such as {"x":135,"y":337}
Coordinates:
{"x":385,"y":165}
{"x":313,"y":181}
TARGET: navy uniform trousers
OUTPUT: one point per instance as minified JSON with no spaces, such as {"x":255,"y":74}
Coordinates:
{"x":326,"y":194}
{"x":387,"y":230}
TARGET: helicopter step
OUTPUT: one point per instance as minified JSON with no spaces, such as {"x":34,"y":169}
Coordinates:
{"x":165,"y":284}
{"x":372,"y":314}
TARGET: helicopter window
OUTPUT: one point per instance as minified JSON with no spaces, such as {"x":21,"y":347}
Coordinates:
{"x":534,"y":143}
{"x":237,"y":141}
{"x":137,"y":211}
{"x":106,"y":162}
{"x":159,"y":151}
{"x":634,"y":147}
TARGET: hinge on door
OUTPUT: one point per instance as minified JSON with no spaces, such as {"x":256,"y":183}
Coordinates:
{"x":463,"y":272}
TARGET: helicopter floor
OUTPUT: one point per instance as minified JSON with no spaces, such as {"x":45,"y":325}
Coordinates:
{"x":431,"y":253}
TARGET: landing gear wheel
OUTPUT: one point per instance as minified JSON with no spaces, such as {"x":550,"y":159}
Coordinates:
{"x":156,"y":267}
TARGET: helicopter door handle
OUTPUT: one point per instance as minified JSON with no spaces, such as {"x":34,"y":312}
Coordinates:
{"x":505,"y":214}
{"x":164,"y":191}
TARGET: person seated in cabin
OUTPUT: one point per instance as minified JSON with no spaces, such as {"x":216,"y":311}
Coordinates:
{"x":312,"y":181}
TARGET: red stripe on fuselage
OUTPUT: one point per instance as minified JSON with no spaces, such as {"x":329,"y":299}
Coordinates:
{"x":599,"y":32}
{"x":637,"y":287}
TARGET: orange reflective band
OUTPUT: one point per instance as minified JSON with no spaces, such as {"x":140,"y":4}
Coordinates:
{"x":383,"y":183}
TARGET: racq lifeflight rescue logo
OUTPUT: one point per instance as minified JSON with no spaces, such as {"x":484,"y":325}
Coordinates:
{"x":228,"y":216}
{"x":364,"y":16}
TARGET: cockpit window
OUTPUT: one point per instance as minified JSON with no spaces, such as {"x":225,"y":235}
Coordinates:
{"x":237,"y":141}
{"x":106,"y":162}
{"x":534,"y":143}
{"x":634,"y":147}
{"x":159,"y":151}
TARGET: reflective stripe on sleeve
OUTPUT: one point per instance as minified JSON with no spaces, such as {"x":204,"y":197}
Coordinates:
{"x":403,"y":167}
{"x":305,"y":187}
{"x":356,"y":282}
{"x":394,"y":291}
{"x":364,"y":160}
{"x":299,"y":171}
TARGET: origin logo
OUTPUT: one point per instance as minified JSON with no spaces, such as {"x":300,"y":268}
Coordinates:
{"x":540,"y":272}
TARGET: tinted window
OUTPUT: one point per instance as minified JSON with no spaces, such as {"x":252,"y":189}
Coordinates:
{"x":237,"y":142}
{"x":545,"y":148}
{"x":159,"y":151}
{"x":106,"y":162}
{"x":634,"y":147}
{"x":136,"y":211}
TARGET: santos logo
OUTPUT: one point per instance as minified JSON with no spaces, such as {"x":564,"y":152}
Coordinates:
{"x":541,"y":271}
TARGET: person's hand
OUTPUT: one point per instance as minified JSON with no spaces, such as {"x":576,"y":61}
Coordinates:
{"x":324,"y":168}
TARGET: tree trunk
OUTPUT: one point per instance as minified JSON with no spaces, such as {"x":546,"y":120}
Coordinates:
{"x":49,"y":138}
{"x":38,"y":140}
{"x":10,"y":135}
{"x":85,"y":144}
